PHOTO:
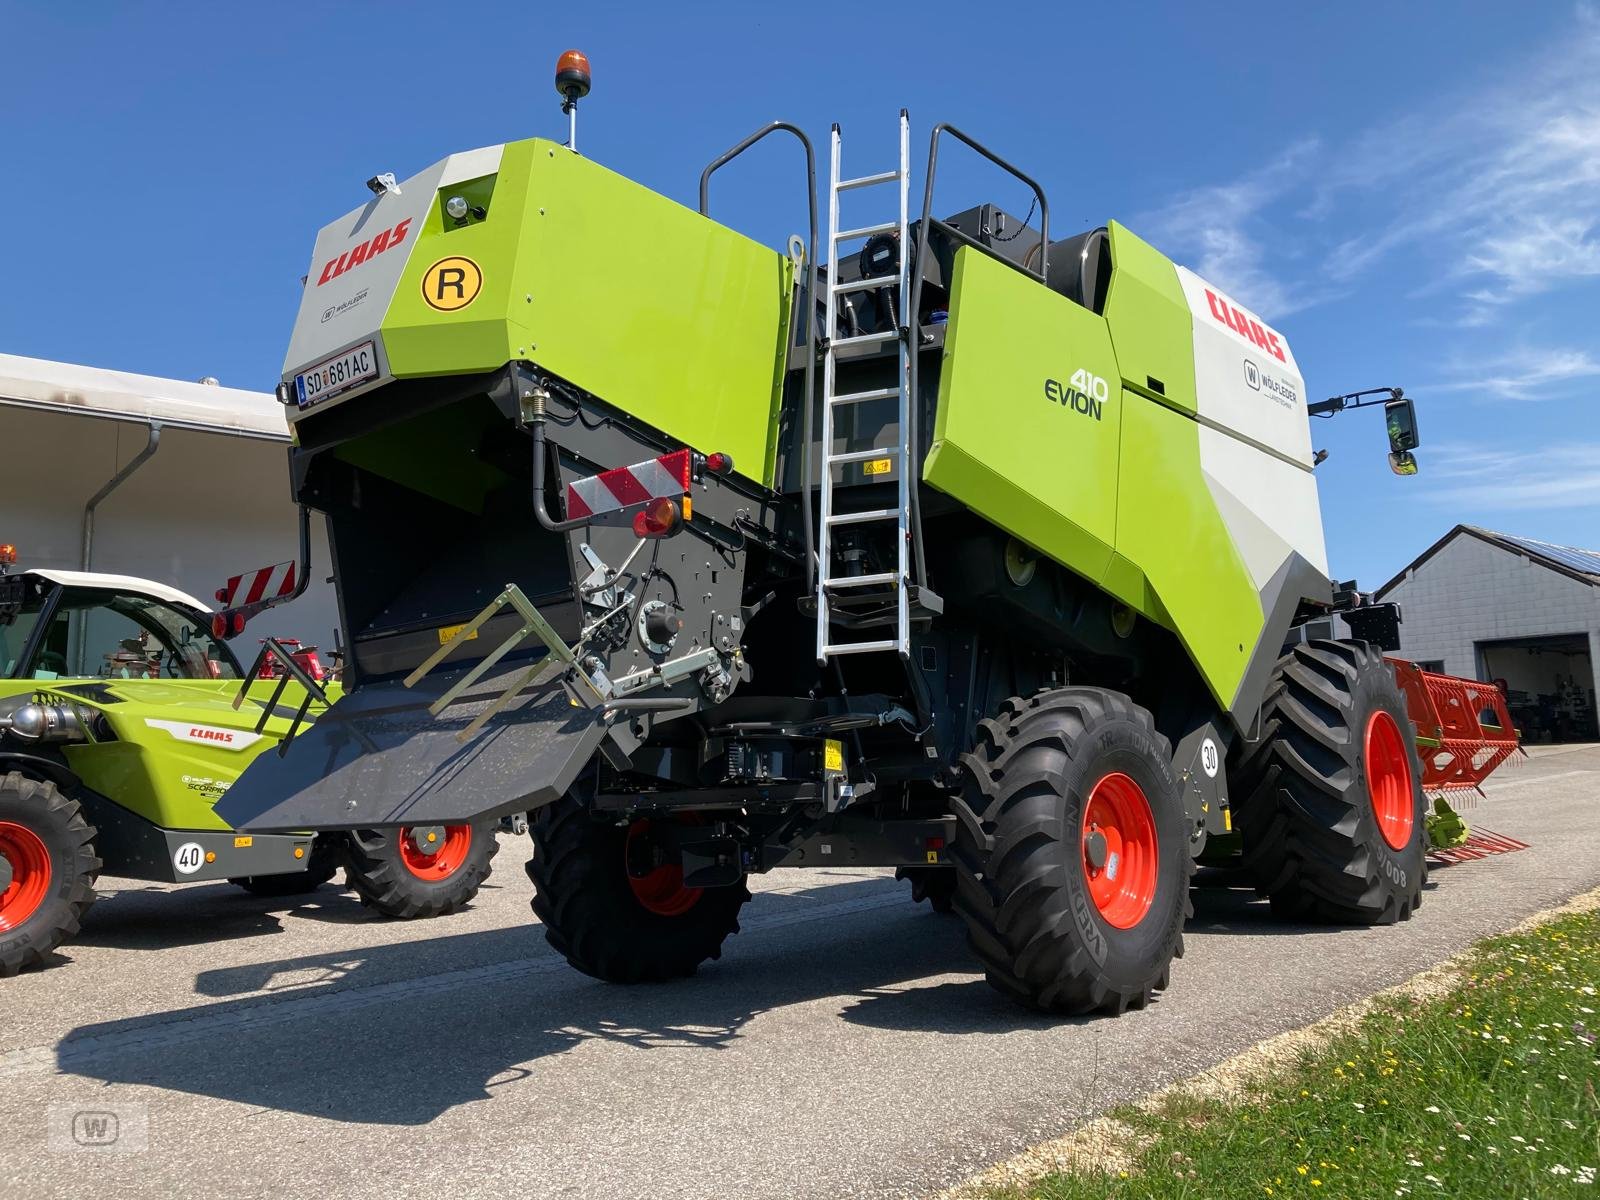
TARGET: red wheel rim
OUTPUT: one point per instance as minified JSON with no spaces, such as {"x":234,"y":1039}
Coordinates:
{"x":22,"y":848}
{"x":660,"y":891}
{"x":1389,"y":785}
{"x":1120,"y":855}
{"x":437,"y":859}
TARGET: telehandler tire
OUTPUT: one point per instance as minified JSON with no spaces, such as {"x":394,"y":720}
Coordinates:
{"x":420,"y":870}
{"x":327,"y":856}
{"x":614,"y":925}
{"x":47,"y":870}
{"x":1071,"y":852}
{"x":1329,"y":799}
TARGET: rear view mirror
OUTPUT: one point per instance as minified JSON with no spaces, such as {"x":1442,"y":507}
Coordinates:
{"x":1403,"y":462}
{"x":1401,"y":419}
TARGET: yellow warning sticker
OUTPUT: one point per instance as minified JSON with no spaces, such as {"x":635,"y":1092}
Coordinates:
{"x":243,"y":843}
{"x":933,"y":857}
{"x":449,"y":631}
{"x":832,"y":755}
{"x":451,"y":283}
{"x":877,"y":466}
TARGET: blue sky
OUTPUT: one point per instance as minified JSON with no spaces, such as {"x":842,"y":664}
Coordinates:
{"x":1410,"y":192}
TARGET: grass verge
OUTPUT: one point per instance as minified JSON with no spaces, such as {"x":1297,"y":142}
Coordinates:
{"x":1486,"y":1088}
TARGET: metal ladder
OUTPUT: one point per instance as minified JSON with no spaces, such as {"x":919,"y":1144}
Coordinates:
{"x":828,"y":583}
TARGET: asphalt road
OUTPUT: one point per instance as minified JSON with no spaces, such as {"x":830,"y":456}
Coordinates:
{"x":842,"y":1047}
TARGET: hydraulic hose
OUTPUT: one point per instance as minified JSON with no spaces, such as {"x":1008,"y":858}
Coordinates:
{"x":535,"y":400}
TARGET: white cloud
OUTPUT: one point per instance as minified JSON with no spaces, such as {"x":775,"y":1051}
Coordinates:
{"x":1526,"y":373}
{"x":1492,"y":194}
{"x":1476,"y":480}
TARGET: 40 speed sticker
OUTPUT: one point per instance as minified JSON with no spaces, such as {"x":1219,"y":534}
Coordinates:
{"x":189,"y":858}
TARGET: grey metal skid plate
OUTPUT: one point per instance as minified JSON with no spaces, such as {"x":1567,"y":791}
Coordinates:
{"x":377,"y":758}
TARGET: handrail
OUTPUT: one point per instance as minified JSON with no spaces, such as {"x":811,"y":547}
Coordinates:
{"x":913,"y":320}
{"x":804,"y":432}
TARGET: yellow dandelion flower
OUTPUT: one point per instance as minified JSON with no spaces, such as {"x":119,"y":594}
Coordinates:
{"x":1303,"y":1169}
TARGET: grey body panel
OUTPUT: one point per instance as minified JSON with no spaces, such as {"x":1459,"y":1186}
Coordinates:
{"x":133,"y":848}
{"x":378,"y":758}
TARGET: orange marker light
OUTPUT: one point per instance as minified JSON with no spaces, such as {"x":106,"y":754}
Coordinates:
{"x":658,"y":519}
{"x":8,"y":555}
{"x":573,"y":79}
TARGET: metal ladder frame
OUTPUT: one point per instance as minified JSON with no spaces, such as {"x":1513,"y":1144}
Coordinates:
{"x":901,"y":453}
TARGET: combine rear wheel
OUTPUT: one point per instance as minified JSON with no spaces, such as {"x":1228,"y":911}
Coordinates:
{"x":47,"y":870}
{"x":613,"y":909}
{"x":1072,"y":863}
{"x":1329,"y":800}
{"x":420,"y":870}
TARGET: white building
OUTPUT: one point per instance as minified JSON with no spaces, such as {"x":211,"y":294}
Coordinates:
{"x":1496,"y":607}
{"x":183,"y":483}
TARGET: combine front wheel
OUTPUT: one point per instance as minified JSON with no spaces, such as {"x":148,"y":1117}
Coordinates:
{"x":1072,"y":863}
{"x":614,"y":908}
{"x":47,"y":870}
{"x":420,"y":870}
{"x":1330,"y":798}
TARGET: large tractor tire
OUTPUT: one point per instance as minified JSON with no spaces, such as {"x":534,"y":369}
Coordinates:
{"x":420,"y":870}
{"x":47,"y":870}
{"x":1071,"y":852}
{"x":1329,"y":799}
{"x":327,"y":856}
{"x":611,"y":910}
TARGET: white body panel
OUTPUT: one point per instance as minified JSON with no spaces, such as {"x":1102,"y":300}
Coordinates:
{"x":343,"y":303}
{"x":1255,"y":433}
{"x":122,"y":583}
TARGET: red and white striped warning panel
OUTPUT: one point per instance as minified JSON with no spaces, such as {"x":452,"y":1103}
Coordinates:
{"x":624,"y":487}
{"x":269,"y":583}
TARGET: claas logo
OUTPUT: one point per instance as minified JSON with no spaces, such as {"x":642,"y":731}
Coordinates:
{"x":210,"y":735}
{"x":369,"y":249}
{"x":1250,"y":330}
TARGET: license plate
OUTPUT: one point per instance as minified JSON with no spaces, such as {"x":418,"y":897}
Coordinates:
{"x":333,"y":375}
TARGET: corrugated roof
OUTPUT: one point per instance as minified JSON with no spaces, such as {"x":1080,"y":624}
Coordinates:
{"x":1585,"y":562}
{"x":92,"y":391}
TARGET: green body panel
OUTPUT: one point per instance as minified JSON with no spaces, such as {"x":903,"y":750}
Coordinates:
{"x":170,"y":781}
{"x":1005,"y":444}
{"x":1122,"y":499}
{"x":1150,"y":322}
{"x":677,"y":320}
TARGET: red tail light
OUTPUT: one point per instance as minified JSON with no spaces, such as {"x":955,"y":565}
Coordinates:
{"x":225,"y":625}
{"x":658,"y":519}
{"x":719,"y":463}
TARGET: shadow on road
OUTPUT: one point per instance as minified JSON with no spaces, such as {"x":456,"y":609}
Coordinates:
{"x":398,"y":1034}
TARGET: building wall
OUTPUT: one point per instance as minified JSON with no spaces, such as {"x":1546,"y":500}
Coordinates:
{"x":205,"y":507}
{"x":1472,"y":592}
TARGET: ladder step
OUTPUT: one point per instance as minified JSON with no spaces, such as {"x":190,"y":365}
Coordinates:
{"x":846,"y":185}
{"x":862,"y":285}
{"x":855,"y":456}
{"x":888,"y":393}
{"x":864,"y":339}
{"x":857,"y":518}
{"x":851,"y":581}
{"x":860,"y":647}
{"x":845,"y":235}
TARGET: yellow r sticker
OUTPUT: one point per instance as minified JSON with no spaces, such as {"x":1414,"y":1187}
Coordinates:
{"x":832,"y":755}
{"x":877,"y":466}
{"x":449,"y":631}
{"x":451,"y":283}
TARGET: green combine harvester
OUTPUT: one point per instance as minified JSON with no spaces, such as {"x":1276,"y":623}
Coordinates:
{"x":974,"y":553}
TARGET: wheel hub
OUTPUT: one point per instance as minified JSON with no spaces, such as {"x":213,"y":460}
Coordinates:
{"x":1390,"y":789}
{"x":427,"y":839}
{"x":1120,"y":850}
{"x":25,"y":874}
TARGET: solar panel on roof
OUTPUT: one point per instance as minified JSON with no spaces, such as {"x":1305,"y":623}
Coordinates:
{"x":1584,"y":561}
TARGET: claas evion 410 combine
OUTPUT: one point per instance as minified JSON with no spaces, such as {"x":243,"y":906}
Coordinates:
{"x":974,"y":554}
